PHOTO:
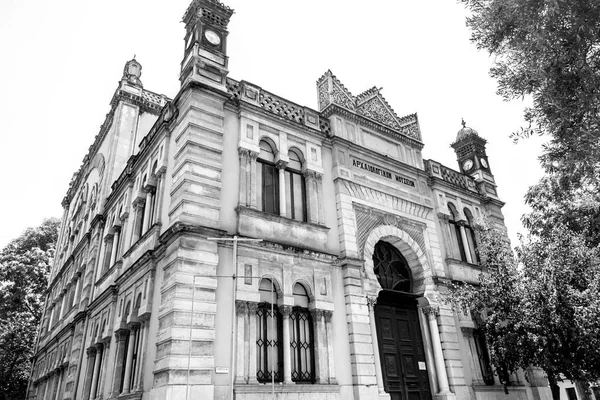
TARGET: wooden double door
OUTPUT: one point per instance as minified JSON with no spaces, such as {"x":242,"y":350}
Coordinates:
{"x":401,"y":348}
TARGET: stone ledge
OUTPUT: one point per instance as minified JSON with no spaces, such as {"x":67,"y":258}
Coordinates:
{"x":285,"y":388}
{"x":278,"y":229}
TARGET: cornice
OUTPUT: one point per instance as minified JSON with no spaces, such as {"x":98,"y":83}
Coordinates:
{"x":145,"y":104}
{"x":107,"y":293}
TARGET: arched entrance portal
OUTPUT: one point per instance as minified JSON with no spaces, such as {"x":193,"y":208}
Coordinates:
{"x":398,"y":330}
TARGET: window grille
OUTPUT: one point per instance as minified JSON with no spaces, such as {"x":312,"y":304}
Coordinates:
{"x":302,"y":348}
{"x":391,"y":268}
{"x":270,"y":352}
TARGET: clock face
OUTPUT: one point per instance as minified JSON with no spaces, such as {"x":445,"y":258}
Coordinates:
{"x":483,"y":162}
{"x":467,"y":165}
{"x":212,"y":37}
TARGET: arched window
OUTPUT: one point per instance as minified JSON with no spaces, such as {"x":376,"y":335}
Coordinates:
{"x":267,"y":180}
{"x":269,"y":331}
{"x":482,"y":352}
{"x":295,"y":194}
{"x":457,"y":247}
{"x":470,"y":233}
{"x":301,"y":338}
{"x":391,"y":268}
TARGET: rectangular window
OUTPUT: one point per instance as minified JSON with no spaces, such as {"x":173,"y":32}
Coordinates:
{"x":269,"y":188}
{"x":295,"y":196}
{"x":472,"y":244}
{"x":571,"y":393}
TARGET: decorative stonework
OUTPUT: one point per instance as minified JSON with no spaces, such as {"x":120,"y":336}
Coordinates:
{"x":367,"y":219}
{"x":369,"y":104}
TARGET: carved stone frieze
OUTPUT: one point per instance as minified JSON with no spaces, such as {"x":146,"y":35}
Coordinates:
{"x":367,"y":219}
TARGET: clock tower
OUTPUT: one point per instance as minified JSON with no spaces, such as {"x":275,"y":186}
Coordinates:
{"x":472,"y":158}
{"x":470,"y":151}
{"x":205,"y":53}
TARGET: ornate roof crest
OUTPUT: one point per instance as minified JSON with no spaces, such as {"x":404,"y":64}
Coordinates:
{"x":370,"y":104}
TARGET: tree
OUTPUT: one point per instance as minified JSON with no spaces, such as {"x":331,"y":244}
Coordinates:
{"x":24,"y":267}
{"x":548,"y":50}
{"x":539,"y":305}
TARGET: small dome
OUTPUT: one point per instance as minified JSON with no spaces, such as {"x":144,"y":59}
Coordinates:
{"x":465,"y":131}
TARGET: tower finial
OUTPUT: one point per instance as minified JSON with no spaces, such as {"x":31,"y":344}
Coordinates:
{"x":464,"y":124}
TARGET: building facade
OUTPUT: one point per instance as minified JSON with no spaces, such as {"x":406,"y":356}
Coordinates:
{"x":231,"y":244}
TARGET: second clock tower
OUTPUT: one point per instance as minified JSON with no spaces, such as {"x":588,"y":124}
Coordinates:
{"x":205,"y":54}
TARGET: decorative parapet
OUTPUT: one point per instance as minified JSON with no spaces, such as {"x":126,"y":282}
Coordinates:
{"x":455,"y":178}
{"x":196,"y":10}
{"x":370,"y":105}
{"x":252,"y":94}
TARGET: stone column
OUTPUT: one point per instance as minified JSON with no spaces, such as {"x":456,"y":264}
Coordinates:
{"x":147,"y":210}
{"x":103,"y":368}
{"x":121,"y":337}
{"x":330,"y":360}
{"x":465,"y":244}
{"x":428,"y":347}
{"x":244,"y":181}
{"x":135,"y":234}
{"x":48,"y":381}
{"x":155,"y":209}
{"x":89,"y":372}
{"x":282,"y":189}
{"x":96,"y":373}
{"x":241,"y":308}
{"x":320,"y":346}
{"x":371,"y":301}
{"x":160,"y":175}
{"x":438,"y":354}
{"x":320,"y":204}
{"x":139,"y":378}
{"x":123,"y":235}
{"x":59,"y":372}
{"x":287,"y":356}
{"x":252,"y":307}
{"x":128,"y":366}
{"x":253,"y":188}
{"x":113,"y":250}
{"x":312,"y":206}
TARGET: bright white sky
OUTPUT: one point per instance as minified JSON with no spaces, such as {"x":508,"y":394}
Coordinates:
{"x":62,"y":60}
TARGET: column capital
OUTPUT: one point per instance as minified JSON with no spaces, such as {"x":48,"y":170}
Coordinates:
{"x":431,"y":310}
{"x":316,"y":313}
{"x":371,"y":301}
{"x":241,"y":307}
{"x":285,"y":310}
{"x":253,"y":155}
{"x":252,"y":307}
{"x":327,"y":314}
{"x":90,"y":351}
{"x":310,"y":174}
{"x":281,"y":164}
{"x":443,"y":216}
{"x":243,"y":152}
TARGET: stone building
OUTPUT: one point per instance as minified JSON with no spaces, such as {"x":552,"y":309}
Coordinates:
{"x":229,"y":243}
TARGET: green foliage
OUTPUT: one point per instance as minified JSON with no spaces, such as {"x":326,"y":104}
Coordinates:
{"x":24,"y":267}
{"x":540,"y":305}
{"x":549,"y":51}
